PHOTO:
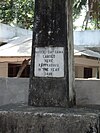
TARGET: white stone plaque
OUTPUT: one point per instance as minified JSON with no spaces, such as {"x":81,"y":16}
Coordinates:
{"x":49,"y":62}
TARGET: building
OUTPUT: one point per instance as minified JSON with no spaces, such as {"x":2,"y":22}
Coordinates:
{"x":87,"y":54}
{"x":87,"y":63}
{"x":15,"y":48}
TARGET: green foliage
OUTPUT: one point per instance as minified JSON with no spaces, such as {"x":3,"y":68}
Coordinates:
{"x":17,"y":12}
{"x":93,"y":12}
{"x":77,"y":7}
{"x":21,"y":12}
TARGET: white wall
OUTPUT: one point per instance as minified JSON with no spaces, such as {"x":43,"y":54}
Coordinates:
{"x":8,"y":32}
{"x":87,"y":37}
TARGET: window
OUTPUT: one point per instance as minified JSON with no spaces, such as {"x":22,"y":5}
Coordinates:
{"x":14,"y":68}
{"x":87,"y":72}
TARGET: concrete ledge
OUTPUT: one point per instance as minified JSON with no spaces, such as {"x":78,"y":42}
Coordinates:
{"x":23,"y":119}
